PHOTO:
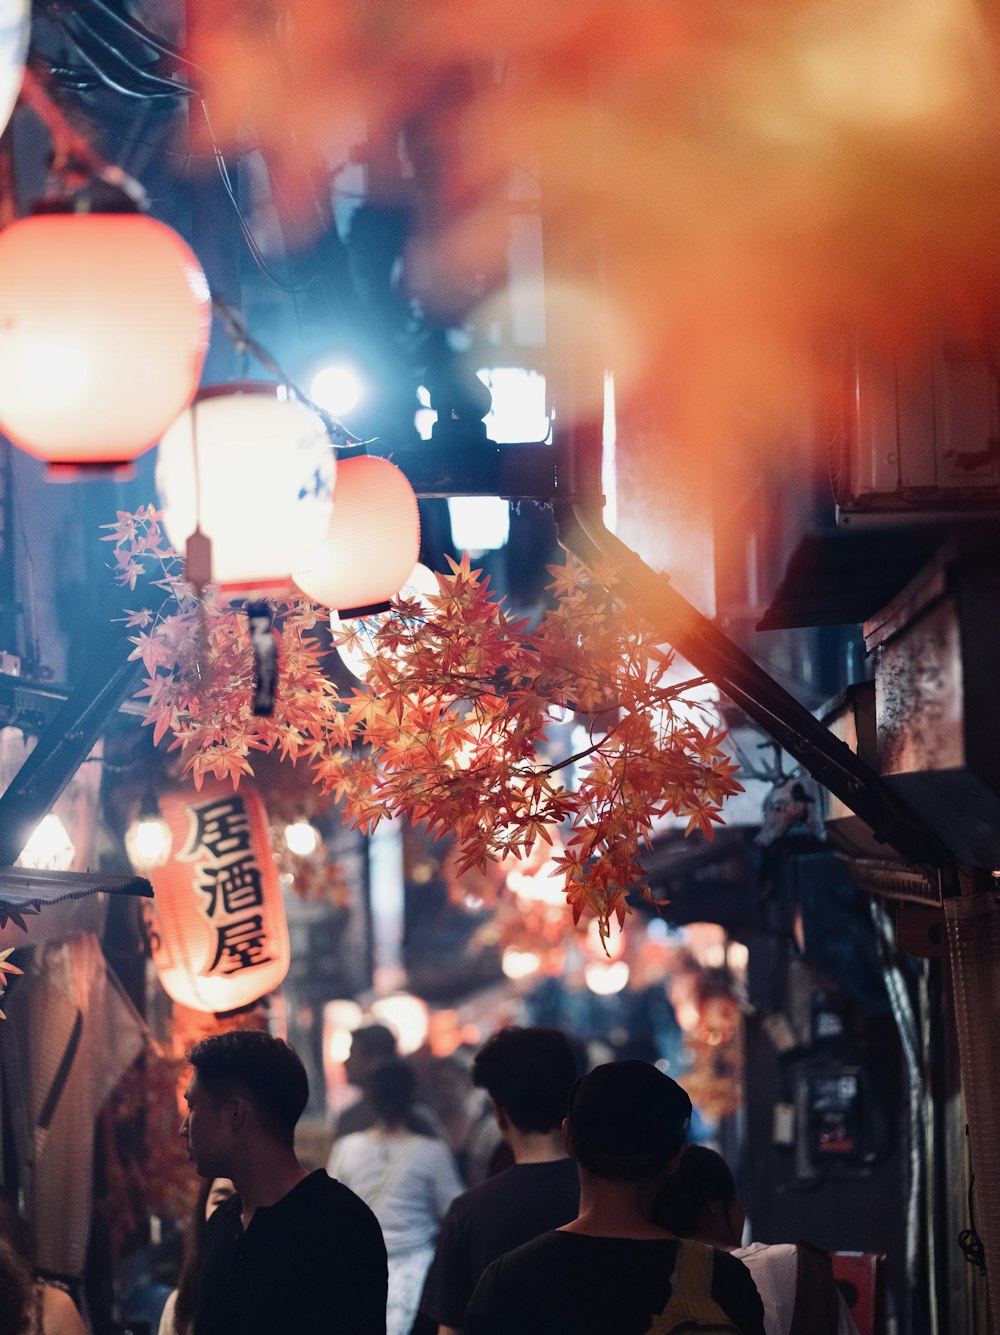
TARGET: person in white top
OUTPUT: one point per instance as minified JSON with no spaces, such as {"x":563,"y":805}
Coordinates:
{"x":406,"y":1179}
{"x":795,"y":1282}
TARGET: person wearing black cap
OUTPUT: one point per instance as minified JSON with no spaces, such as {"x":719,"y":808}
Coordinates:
{"x":611,"y":1271}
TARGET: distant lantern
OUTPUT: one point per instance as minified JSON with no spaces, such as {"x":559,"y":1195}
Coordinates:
{"x":104,"y":324}
{"x":218,"y":934}
{"x":372,"y":542}
{"x":253,"y":470}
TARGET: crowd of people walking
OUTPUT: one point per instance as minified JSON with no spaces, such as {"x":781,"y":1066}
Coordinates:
{"x":594,"y":1216}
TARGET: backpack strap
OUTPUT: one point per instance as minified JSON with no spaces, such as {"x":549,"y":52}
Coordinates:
{"x":691,"y":1303}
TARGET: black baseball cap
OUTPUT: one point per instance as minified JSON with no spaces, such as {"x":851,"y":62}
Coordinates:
{"x":627,"y":1118}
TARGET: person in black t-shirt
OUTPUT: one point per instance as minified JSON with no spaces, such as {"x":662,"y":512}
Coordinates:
{"x":610,"y":1269}
{"x":528,"y":1074}
{"x":292,"y":1250}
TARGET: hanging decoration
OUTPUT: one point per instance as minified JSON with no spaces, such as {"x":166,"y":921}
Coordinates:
{"x":450,"y":729}
{"x":217,"y":928}
{"x":104,"y":325}
{"x":249,"y":468}
{"x":372,"y":543}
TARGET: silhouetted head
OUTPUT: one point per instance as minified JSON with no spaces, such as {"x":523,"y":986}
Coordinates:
{"x":699,"y":1200}
{"x":529,"y":1074}
{"x":627,"y":1121}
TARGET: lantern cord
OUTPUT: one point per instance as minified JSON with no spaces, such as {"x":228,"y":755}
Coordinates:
{"x":244,"y":341}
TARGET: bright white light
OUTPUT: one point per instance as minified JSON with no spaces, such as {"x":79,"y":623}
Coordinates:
{"x":606,"y":979}
{"x":335,"y":388}
{"x":519,"y":410}
{"x":148,"y":842}
{"x":518,"y":413}
{"x":518,"y":964}
{"x":407,"y":1016}
{"x":50,"y":848}
{"x":302,"y":838}
{"x":479,"y":523}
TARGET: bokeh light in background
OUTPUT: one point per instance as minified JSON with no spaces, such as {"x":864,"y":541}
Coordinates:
{"x":302,"y":838}
{"x":148,"y":841}
{"x":518,"y":964}
{"x":606,"y":979}
{"x":50,"y":848}
{"x":337,"y":389}
{"x":407,"y":1017}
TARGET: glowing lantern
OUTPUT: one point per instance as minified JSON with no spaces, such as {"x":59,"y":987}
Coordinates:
{"x":15,"y":20}
{"x":372,"y":543}
{"x":104,"y":323}
{"x":359,"y":650}
{"x":252,"y":469}
{"x":218,"y":933}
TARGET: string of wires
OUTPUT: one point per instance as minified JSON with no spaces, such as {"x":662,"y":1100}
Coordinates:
{"x":112,"y":48}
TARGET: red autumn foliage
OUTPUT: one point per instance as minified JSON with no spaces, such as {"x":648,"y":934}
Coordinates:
{"x":451,"y":728}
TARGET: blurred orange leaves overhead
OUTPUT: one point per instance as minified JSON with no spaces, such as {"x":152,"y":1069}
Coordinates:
{"x":754,"y":175}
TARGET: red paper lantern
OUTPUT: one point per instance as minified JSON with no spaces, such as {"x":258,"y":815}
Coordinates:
{"x":372,"y":543}
{"x":218,"y":933}
{"x":104,"y":324}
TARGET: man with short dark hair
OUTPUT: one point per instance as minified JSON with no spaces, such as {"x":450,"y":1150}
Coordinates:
{"x":292,"y":1250}
{"x":611,"y":1269}
{"x":528,"y":1074}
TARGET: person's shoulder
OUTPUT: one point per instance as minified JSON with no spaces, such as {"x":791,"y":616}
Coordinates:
{"x":772,"y":1257}
{"x":60,"y":1315}
{"x":731,"y":1268}
{"x":327,"y":1208}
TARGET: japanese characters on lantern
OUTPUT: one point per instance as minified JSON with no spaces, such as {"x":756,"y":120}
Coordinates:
{"x":218,"y":933}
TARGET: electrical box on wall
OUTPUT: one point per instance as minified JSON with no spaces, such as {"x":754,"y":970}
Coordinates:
{"x":916,"y":439}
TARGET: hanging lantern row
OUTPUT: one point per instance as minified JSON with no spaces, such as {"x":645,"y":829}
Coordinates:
{"x":251,"y":470}
{"x":104,"y":326}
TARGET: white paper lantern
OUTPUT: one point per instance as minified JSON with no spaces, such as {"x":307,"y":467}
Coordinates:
{"x":254,"y":470}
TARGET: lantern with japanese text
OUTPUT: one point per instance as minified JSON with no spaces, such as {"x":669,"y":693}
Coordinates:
{"x":104,"y":325}
{"x":217,"y":927}
{"x":373,"y":540}
{"x":251,"y":469}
